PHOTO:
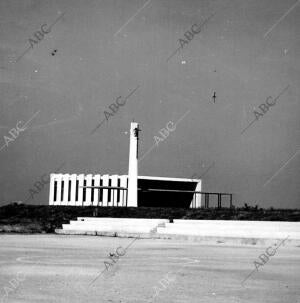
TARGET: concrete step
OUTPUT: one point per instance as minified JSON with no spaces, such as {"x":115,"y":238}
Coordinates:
{"x":119,"y":225}
{"x":108,"y":219}
{"x":270,"y":235}
{"x":94,"y":223}
{"x":234,"y":222}
{"x":230,"y":229}
{"x":112,"y":229}
{"x":103,"y":233}
{"x":246,"y":229}
{"x":190,"y":229}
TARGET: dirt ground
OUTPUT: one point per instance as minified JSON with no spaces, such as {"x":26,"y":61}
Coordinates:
{"x":58,"y":268}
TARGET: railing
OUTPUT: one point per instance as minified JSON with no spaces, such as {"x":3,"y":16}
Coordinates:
{"x":206,"y":199}
{"x":114,"y":194}
{"x":197,"y":196}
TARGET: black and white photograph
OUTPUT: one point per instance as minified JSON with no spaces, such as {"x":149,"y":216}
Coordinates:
{"x":149,"y":151}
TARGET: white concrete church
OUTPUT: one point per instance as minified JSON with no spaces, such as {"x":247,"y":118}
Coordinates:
{"x":129,"y":190}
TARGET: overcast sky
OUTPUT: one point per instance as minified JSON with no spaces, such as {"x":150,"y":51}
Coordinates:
{"x":99,"y":50}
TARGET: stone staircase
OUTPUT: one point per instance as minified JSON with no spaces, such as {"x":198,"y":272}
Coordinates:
{"x":120,"y":227}
{"x":206,"y":231}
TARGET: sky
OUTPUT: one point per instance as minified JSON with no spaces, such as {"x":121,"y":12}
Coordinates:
{"x":63,"y":63}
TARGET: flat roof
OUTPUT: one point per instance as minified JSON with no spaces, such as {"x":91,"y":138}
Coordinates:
{"x":168,"y":179}
{"x":140,"y":177}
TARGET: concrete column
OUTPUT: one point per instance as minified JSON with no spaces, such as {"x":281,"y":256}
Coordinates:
{"x":123,"y":193}
{"x":80,"y":178}
{"x":133,"y":165}
{"x":197,"y":197}
{"x":73,"y":189}
{"x":105,"y":191}
{"x":58,"y":179}
{"x":65,"y":179}
{"x":96,"y":190}
{"x":114,"y":192}
{"x":51,"y":189}
{"x":88,"y":194}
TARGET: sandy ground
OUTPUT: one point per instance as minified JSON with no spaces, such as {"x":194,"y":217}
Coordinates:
{"x":58,"y":268}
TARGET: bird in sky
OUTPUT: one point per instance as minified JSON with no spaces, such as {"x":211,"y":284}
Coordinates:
{"x":214,"y":97}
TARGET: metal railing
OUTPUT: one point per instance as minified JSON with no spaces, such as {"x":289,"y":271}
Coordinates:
{"x":206,"y":199}
{"x":194,"y":198}
{"x":115,"y":195}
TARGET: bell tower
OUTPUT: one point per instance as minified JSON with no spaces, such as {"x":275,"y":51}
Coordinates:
{"x":133,"y":165}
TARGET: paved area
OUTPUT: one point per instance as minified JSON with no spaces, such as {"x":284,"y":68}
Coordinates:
{"x":59,"y":268}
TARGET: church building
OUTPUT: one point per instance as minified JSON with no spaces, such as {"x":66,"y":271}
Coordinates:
{"x":129,"y":190}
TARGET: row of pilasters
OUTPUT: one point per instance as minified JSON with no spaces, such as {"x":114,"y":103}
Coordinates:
{"x":68,"y":189}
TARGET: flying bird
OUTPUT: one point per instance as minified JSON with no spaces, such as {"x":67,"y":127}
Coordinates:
{"x":214,"y":97}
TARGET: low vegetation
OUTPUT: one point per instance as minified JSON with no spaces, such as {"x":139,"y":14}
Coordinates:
{"x":44,"y":218}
